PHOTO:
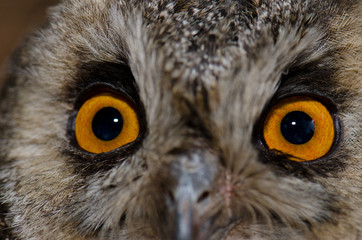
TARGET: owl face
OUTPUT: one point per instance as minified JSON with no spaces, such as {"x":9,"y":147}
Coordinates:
{"x":185,"y":120}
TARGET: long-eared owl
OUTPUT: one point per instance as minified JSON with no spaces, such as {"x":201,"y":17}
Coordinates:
{"x":185,"y":120}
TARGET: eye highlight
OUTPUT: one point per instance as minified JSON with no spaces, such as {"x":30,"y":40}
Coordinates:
{"x":300,"y":127}
{"x":106,"y":122}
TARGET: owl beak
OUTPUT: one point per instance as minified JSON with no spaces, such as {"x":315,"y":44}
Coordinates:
{"x":187,"y":227}
{"x":191,"y":198}
{"x":189,"y":224}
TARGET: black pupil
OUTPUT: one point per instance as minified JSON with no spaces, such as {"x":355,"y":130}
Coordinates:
{"x":107,"y":123}
{"x":297,"y":127}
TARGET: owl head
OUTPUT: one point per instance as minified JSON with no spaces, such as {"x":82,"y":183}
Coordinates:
{"x":185,"y":120}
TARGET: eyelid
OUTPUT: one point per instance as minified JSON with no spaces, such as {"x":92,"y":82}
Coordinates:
{"x":95,"y":88}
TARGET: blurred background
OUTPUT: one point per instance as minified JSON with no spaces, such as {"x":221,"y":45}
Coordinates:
{"x":18,"y":18}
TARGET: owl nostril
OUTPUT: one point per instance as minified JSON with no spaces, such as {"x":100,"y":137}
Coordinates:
{"x":170,"y":197}
{"x":203,"y":196}
{"x":122,"y":220}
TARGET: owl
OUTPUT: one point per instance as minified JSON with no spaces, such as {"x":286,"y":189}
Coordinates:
{"x":185,"y":120}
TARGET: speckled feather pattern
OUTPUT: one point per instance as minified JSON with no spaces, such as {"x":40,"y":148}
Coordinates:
{"x":205,"y":73}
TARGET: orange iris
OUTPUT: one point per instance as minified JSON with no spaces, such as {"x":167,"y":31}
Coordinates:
{"x":282,"y":134}
{"x":106,"y":122}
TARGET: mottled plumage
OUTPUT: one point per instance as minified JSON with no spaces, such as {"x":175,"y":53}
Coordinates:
{"x":202,"y":76}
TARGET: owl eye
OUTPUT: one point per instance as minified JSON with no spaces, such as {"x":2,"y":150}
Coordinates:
{"x":106,"y":122}
{"x":300,"y":127}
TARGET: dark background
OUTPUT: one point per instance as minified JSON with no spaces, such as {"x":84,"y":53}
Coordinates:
{"x":18,"y":18}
